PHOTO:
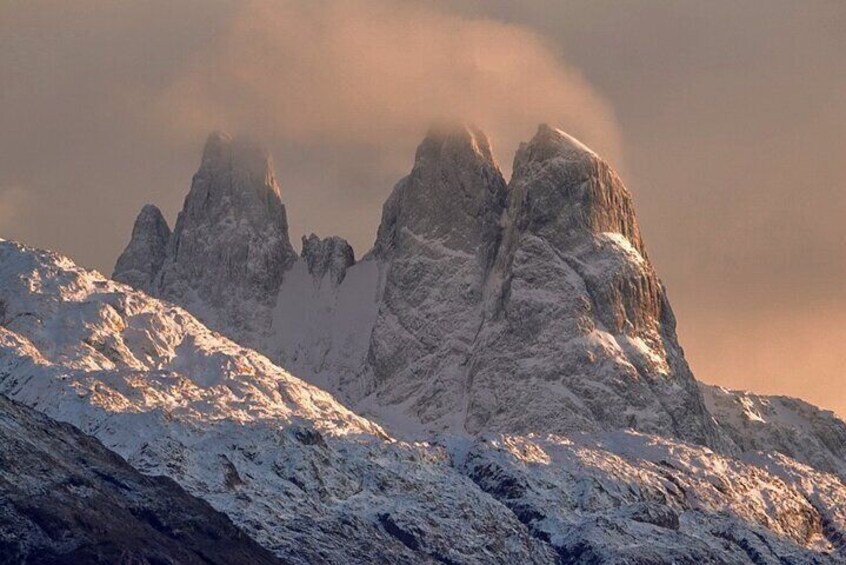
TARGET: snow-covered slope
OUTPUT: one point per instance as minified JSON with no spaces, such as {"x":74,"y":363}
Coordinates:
{"x":292,"y":467}
{"x":625,"y":497}
{"x":758,"y":423}
{"x":64,"y":498}
{"x":315,"y":483}
{"x":483,"y":306}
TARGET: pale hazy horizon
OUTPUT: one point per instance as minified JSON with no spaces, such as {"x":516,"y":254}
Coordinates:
{"x":727,"y":123}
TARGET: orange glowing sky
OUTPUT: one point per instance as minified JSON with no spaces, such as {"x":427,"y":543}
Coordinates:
{"x":726,"y":119}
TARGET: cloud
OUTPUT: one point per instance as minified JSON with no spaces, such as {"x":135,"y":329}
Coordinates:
{"x":732,"y":119}
{"x":377,"y":73}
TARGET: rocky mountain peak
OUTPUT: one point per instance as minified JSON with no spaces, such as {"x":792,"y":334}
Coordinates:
{"x":230,"y":247}
{"x":454,"y":194}
{"x":551,"y":143}
{"x":236,"y":181}
{"x":140,"y":262}
{"x":454,"y":140}
{"x":485,"y":306}
{"x":223,"y":152}
{"x":563,"y":190}
{"x":329,"y":256}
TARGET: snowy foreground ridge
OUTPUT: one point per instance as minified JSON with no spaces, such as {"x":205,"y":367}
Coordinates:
{"x":313,"y":482}
{"x":497,"y":381}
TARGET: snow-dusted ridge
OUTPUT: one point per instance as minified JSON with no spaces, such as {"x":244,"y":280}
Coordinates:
{"x":296,"y":470}
{"x":314,"y":482}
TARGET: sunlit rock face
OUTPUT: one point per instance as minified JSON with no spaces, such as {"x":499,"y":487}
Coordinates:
{"x":526,"y":308}
{"x":577,"y":326}
{"x":797,"y":429}
{"x":141,"y":261}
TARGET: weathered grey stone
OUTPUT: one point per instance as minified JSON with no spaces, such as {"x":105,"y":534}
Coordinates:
{"x":141,"y":261}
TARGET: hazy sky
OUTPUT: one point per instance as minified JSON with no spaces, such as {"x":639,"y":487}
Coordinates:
{"x":726,"y":119}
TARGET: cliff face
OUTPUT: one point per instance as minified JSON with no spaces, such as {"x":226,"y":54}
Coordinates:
{"x":530,"y":307}
{"x":230,"y":247}
{"x":437,"y":240}
{"x":527,"y":306}
{"x":141,"y":261}
{"x":577,"y":325}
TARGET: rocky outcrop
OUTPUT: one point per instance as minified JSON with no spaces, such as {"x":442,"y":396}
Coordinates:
{"x":438,"y":236}
{"x":577,"y":333}
{"x":330,"y":257}
{"x":64,"y":498}
{"x":229,"y":250}
{"x":230,"y":247}
{"x":141,"y":261}
{"x":531,"y":308}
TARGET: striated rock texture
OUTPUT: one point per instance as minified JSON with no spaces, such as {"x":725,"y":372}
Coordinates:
{"x":141,"y":261}
{"x":230,"y":247}
{"x":576,"y":325}
{"x":436,"y":243}
{"x":531,"y":308}
{"x":64,"y":498}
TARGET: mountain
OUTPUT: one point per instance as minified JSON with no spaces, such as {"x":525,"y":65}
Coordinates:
{"x":293,"y":468}
{"x":140,"y":263}
{"x":516,"y":348}
{"x":484,"y":306}
{"x":64,"y":498}
{"x":230,"y":247}
{"x":569,"y":328}
{"x":315,"y":483}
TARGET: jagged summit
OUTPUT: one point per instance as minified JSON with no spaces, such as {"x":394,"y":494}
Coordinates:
{"x":330,"y":256}
{"x":454,"y":138}
{"x":562,"y":188}
{"x":152,"y":214}
{"x":142,"y":259}
{"x":549,"y":142}
{"x":236,"y":177}
{"x":486,"y":306}
{"x":230,"y":248}
{"x":453,"y":195}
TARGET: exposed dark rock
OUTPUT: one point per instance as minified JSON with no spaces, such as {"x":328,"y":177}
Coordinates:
{"x":66,"y":499}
